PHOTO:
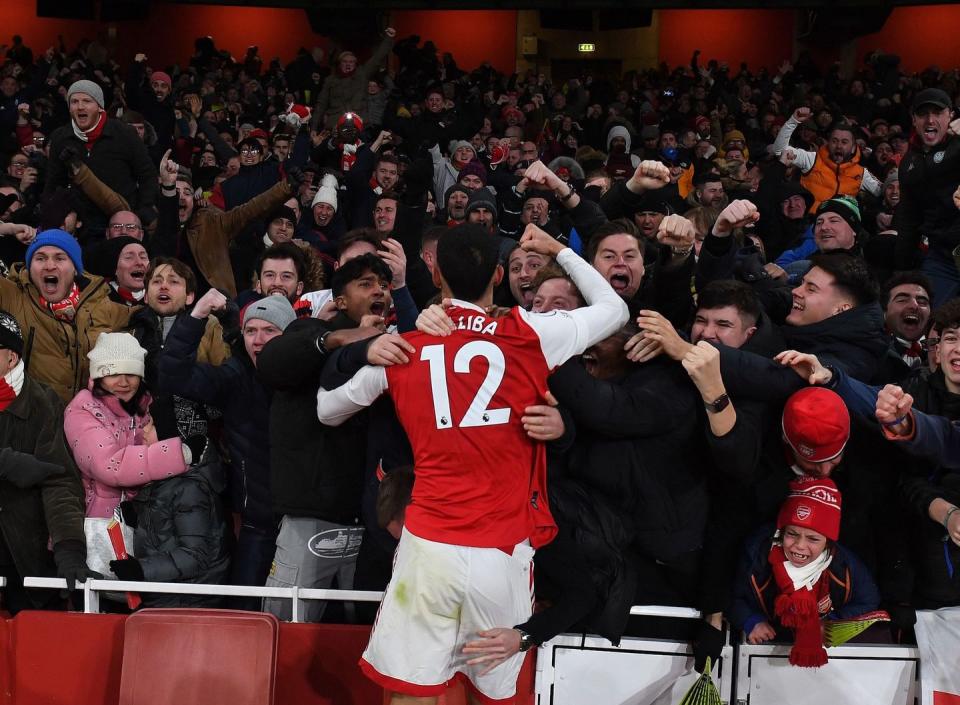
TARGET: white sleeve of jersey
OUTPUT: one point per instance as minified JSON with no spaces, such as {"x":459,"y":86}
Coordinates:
{"x":871,"y":184}
{"x":564,"y":334}
{"x":337,"y":405}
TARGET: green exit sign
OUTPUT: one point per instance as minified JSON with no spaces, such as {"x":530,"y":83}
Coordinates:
{"x":586,"y":48}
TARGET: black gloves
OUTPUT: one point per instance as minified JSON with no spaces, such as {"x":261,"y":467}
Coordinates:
{"x":708,"y":642}
{"x":197,"y":445}
{"x":25,"y":470}
{"x":71,"y":156}
{"x":164,"y":417}
{"x":127,"y":569}
{"x":71,"y":559}
{"x":128,"y":512}
{"x":294,"y":178}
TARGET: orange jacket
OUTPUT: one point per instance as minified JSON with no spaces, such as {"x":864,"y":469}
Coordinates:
{"x":827,"y":179}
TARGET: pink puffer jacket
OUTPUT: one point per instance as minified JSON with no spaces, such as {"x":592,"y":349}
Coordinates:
{"x":107,"y":445}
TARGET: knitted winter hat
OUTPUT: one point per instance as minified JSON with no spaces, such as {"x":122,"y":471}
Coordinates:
{"x":816,"y":424}
{"x":88,"y":87}
{"x":10,"y":336}
{"x":845,"y":207}
{"x":327,"y":193}
{"x":482,"y":198}
{"x":116,"y":354}
{"x":57,"y":238}
{"x":813,"y":503}
{"x":473,"y":167}
{"x":162,"y":77}
{"x":272,"y":309}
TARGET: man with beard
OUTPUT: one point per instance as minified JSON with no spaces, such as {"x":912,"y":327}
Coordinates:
{"x":112,"y":151}
{"x":280,"y":271}
{"x":832,"y":170}
{"x":929,"y":174}
{"x":201,"y":236}
{"x":345,"y":89}
{"x":371,"y":175}
{"x":708,"y":191}
{"x":455,"y":205}
{"x":905,"y":298}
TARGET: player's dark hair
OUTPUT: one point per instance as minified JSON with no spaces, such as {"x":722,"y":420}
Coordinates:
{"x":467,"y":256}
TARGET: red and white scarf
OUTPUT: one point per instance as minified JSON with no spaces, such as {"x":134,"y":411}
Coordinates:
{"x":10,"y":385}
{"x":65,"y":310}
{"x":93,"y":134}
{"x":804,"y":595}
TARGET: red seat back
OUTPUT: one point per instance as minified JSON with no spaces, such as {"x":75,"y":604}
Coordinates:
{"x":214,"y":657}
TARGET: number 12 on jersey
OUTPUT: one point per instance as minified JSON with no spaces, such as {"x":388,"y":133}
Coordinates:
{"x":477,"y":414}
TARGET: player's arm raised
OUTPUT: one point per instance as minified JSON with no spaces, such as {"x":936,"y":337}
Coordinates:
{"x":564,"y":334}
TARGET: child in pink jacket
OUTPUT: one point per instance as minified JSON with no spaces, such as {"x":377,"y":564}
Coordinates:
{"x":110,"y":432}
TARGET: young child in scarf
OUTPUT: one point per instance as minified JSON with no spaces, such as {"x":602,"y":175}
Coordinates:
{"x":801,"y":575}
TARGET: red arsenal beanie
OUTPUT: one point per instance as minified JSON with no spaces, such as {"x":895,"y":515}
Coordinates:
{"x":813,"y":503}
{"x":816,"y":424}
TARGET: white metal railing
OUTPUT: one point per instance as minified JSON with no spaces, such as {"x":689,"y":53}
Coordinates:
{"x":93,"y":588}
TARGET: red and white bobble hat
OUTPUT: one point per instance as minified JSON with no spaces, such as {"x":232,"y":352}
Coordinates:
{"x":816,"y":424}
{"x":813,"y":503}
{"x":297,"y":114}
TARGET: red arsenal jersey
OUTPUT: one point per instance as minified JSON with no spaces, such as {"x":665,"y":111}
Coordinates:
{"x":480,"y":480}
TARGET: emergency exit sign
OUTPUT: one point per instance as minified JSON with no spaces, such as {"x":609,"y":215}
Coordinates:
{"x":586,"y":47}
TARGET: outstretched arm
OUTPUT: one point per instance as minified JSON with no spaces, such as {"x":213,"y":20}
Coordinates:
{"x":337,"y":405}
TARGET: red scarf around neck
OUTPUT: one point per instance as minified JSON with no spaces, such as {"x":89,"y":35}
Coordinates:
{"x":7,"y":394}
{"x":64,"y":310}
{"x":800,"y":611}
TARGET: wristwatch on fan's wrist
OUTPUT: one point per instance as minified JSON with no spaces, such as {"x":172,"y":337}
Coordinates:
{"x":526,"y":640}
{"x":718,"y":404}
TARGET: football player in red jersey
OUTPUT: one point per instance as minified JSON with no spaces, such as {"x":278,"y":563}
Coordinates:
{"x":479,"y":506}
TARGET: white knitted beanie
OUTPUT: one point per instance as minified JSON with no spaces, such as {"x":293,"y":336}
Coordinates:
{"x":116,"y":354}
{"x":327,"y":193}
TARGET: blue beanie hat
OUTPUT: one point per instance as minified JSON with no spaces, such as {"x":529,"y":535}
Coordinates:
{"x":57,"y":238}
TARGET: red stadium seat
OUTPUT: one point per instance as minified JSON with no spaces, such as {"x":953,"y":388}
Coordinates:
{"x":215,"y":657}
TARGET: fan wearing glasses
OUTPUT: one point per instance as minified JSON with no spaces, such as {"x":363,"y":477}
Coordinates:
{"x":124,"y":223}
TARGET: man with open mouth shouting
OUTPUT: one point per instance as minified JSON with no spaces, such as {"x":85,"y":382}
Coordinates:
{"x":60,"y":309}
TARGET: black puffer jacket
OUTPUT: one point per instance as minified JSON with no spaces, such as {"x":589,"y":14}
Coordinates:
{"x":182,"y":534}
{"x":639,"y":442}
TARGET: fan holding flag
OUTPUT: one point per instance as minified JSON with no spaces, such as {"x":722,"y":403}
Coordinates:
{"x":801,"y":576}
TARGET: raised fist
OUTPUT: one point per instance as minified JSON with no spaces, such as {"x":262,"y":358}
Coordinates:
{"x":677,"y":232}
{"x":737,"y":214}
{"x":802,"y":114}
{"x":650,"y":175}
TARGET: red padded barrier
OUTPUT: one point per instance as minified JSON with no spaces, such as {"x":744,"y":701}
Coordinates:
{"x":47,"y":658}
{"x":58,"y":655}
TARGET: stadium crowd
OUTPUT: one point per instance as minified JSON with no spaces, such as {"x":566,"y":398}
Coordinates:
{"x":191,"y":255}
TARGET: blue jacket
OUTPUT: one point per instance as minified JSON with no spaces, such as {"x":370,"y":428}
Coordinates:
{"x":801,"y":251}
{"x":852,"y":589}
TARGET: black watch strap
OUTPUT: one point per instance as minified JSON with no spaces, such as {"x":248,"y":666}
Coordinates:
{"x":718,"y":404}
